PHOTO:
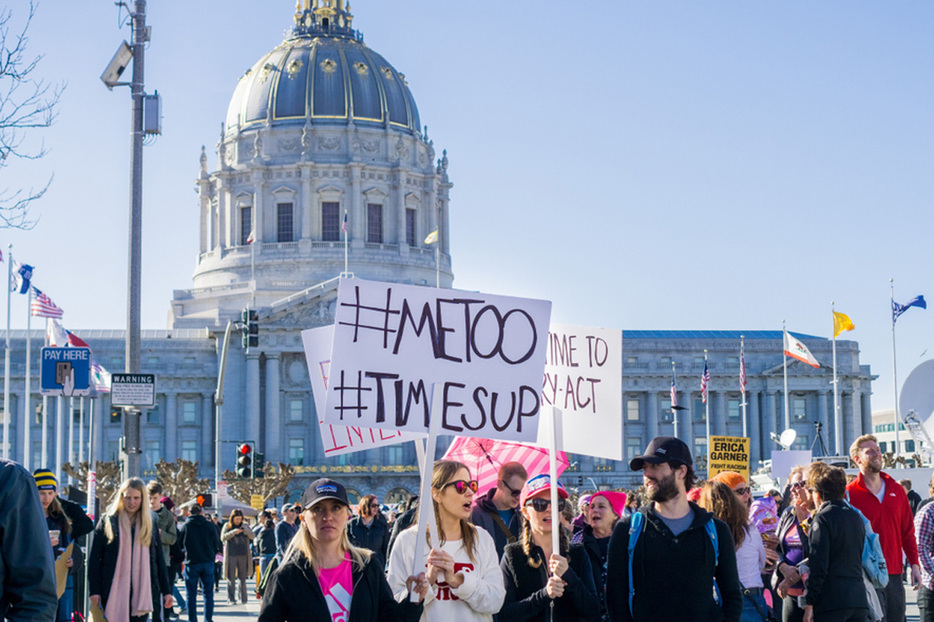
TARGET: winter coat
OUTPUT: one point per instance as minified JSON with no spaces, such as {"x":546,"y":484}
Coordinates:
{"x":482,"y":514}
{"x":375,"y":537}
{"x":526,"y":597}
{"x":102,"y":561}
{"x":266,"y":541}
{"x":168,"y":529}
{"x":200,"y":540}
{"x":284,"y":534}
{"x":597,"y":566}
{"x":294,"y":595}
{"x":27,"y":574}
{"x":673,"y":575}
{"x":236,"y":544}
{"x":835,"y":559}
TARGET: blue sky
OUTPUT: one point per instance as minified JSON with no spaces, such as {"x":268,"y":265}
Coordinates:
{"x":644,"y":165}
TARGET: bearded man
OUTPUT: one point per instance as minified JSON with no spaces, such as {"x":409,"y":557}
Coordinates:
{"x":884,"y":502}
{"x":677,"y":574}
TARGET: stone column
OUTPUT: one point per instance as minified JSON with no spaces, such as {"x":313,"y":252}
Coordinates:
{"x":721,"y":414}
{"x":822,"y":411}
{"x":207,"y":432}
{"x":768,"y":418}
{"x":220,"y":231}
{"x":357,"y":209}
{"x":399,"y":211}
{"x":652,"y":414}
{"x":259,"y":211}
{"x":755,"y":426}
{"x":307,"y":202}
{"x":170,"y":451}
{"x":858,"y":427}
{"x":273,"y":403}
{"x":251,"y":415}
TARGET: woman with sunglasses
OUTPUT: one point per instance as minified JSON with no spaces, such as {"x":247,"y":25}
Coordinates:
{"x":606,"y":508}
{"x":463,"y":572}
{"x":793,"y":545}
{"x":324,"y":577}
{"x":542,"y":584}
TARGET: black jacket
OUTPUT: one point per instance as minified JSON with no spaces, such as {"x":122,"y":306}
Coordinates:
{"x":102,"y":561}
{"x":835,"y":559}
{"x":526,"y":597}
{"x":403,"y":522}
{"x":481,"y":515}
{"x":597,"y":566}
{"x":27,"y":574}
{"x":375,"y":537}
{"x":785,"y":524}
{"x":265,"y":541}
{"x":81,"y":523}
{"x":294,"y":595}
{"x":673,"y":575}
{"x":200,"y":540}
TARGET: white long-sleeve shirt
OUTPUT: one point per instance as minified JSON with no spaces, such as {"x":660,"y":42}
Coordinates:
{"x":750,"y":558}
{"x":477,"y":599}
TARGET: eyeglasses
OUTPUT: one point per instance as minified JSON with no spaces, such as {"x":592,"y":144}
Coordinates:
{"x":515,"y":493}
{"x":374,"y":505}
{"x":540,"y":505}
{"x":461,"y":486}
{"x":742,"y":491}
{"x":800,"y":484}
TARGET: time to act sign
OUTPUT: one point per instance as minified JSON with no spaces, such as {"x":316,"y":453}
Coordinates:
{"x":729,"y":453}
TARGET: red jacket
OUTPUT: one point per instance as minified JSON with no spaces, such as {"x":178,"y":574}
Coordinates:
{"x":891,"y":519}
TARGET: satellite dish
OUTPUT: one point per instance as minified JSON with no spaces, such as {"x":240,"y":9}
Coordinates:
{"x":787,"y":439}
{"x":917,"y":395}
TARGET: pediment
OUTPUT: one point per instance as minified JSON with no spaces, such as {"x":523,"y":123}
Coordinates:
{"x":310,"y":308}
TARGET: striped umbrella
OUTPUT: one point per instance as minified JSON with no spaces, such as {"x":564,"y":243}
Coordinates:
{"x":484,"y":457}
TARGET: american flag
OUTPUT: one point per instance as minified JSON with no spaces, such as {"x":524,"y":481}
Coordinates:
{"x":42,"y":306}
{"x":344,"y":224}
{"x":674,"y":391}
{"x":742,"y":373}
{"x":704,"y":381}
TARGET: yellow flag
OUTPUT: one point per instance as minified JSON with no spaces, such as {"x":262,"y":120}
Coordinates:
{"x":841,"y":322}
{"x":432,"y":237}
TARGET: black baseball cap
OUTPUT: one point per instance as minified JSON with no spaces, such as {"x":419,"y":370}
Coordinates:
{"x":322,"y":489}
{"x":662,"y":449}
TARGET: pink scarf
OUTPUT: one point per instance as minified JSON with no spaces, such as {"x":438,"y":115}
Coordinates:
{"x":132,"y":569}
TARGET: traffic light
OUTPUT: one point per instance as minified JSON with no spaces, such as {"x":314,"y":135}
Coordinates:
{"x":249,"y":328}
{"x":205,"y":500}
{"x":259,"y":461}
{"x":115,"y":414}
{"x":244,"y":460}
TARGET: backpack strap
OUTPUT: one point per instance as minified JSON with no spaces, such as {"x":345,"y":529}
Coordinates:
{"x":711,"y":528}
{"x":510,"y":538}
{"x":635,"y":530}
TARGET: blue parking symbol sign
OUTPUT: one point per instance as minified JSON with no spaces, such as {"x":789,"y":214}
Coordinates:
{"x":65,"y":371}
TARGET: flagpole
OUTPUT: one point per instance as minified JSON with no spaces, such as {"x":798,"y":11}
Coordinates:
{"x":27,"y":411}
{"x":71,"y":435}
{"x":707,"y":409}
{"x":742,"y":386}
{"x":837,"y":431}
{"x":80,"y":433}
{"x":898,"y":444}
{"x":45,"y":432}
{"x":59,"y":424}
{"x":785,"y":374}
{"x":6,"y":357}
{"x":674,"y":399}
{"x":438,"y":263}
{"x":345,"y":227}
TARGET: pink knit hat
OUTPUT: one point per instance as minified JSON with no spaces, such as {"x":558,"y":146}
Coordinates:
{"x":617,"y":500}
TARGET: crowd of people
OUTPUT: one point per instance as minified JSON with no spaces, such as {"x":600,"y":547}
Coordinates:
{"x":679,"y":550}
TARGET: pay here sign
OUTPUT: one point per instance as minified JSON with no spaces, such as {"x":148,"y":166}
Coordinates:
{"x":393,"y":342}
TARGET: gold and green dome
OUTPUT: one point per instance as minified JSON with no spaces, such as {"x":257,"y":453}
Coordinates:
{"x":322,"y":73}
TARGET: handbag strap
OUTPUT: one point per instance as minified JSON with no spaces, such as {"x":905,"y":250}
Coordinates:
{"x":510,"y":538}
{"x":747,"y":596}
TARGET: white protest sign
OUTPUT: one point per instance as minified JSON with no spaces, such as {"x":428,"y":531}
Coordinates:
{"x":339,"y":439}
{"x":583,"y":378}
{"x":393,"y":342}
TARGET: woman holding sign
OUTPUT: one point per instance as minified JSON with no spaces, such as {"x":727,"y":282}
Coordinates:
{"x":466,"y":582}
{"x":542,"y":584}
{"x":324,"y":577}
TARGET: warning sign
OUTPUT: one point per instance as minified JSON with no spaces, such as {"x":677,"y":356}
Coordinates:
{"x":729,"y":453}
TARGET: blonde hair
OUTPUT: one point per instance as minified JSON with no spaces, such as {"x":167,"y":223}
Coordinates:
{"x":865,"y":438}
{"x":143,"y":516}
{"x":441,"y":474}
{"x":303,"y":544}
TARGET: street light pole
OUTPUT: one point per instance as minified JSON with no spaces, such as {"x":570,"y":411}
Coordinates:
{"x":132,"y":416}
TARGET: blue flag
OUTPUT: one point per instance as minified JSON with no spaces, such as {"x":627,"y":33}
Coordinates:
{"x":22,"y":274}
{"x":897,"y":309}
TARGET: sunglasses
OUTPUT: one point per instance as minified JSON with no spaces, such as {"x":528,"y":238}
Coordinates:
{"x":515,"y":493}
{"x":799,"y":485}
{"x":540,"y":505}
{"x":743,"y":491}
{"x":461,"y":486}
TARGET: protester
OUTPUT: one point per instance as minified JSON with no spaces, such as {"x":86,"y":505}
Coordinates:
{"x":738,"y":485}
{"x":718,"y":498}
{"x":238,"y":559}
{"x":879,"y":497}
{"x":60,"y":535}
{"x":369,"y":529}
{"x":835,"y":588}
{"x":542,"y":584}
{"x":321,"y":565}
{"x":606,"y":508}
{"x":463,"y":571}
{"x":27,"y":573}
{"x":125,"y":563}
{"x":168,"y":532}
{"x":914,"y":499}
{"x":583,"y":513}
{"x":202,"y":544}
{"x":403,"y":522}
{"x":674,"y":563}
{"x":632,"y":504}
{"x":265,"y":541}
{"x":285,"y":529}
{"x":175,"y":561}
{"x":924,"y":533}
{"x":497,"y":510}
{"x":792,"y":534}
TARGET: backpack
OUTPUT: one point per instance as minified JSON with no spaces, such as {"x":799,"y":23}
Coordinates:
{"x":873,"y":560}
{"x":635,"y":530}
